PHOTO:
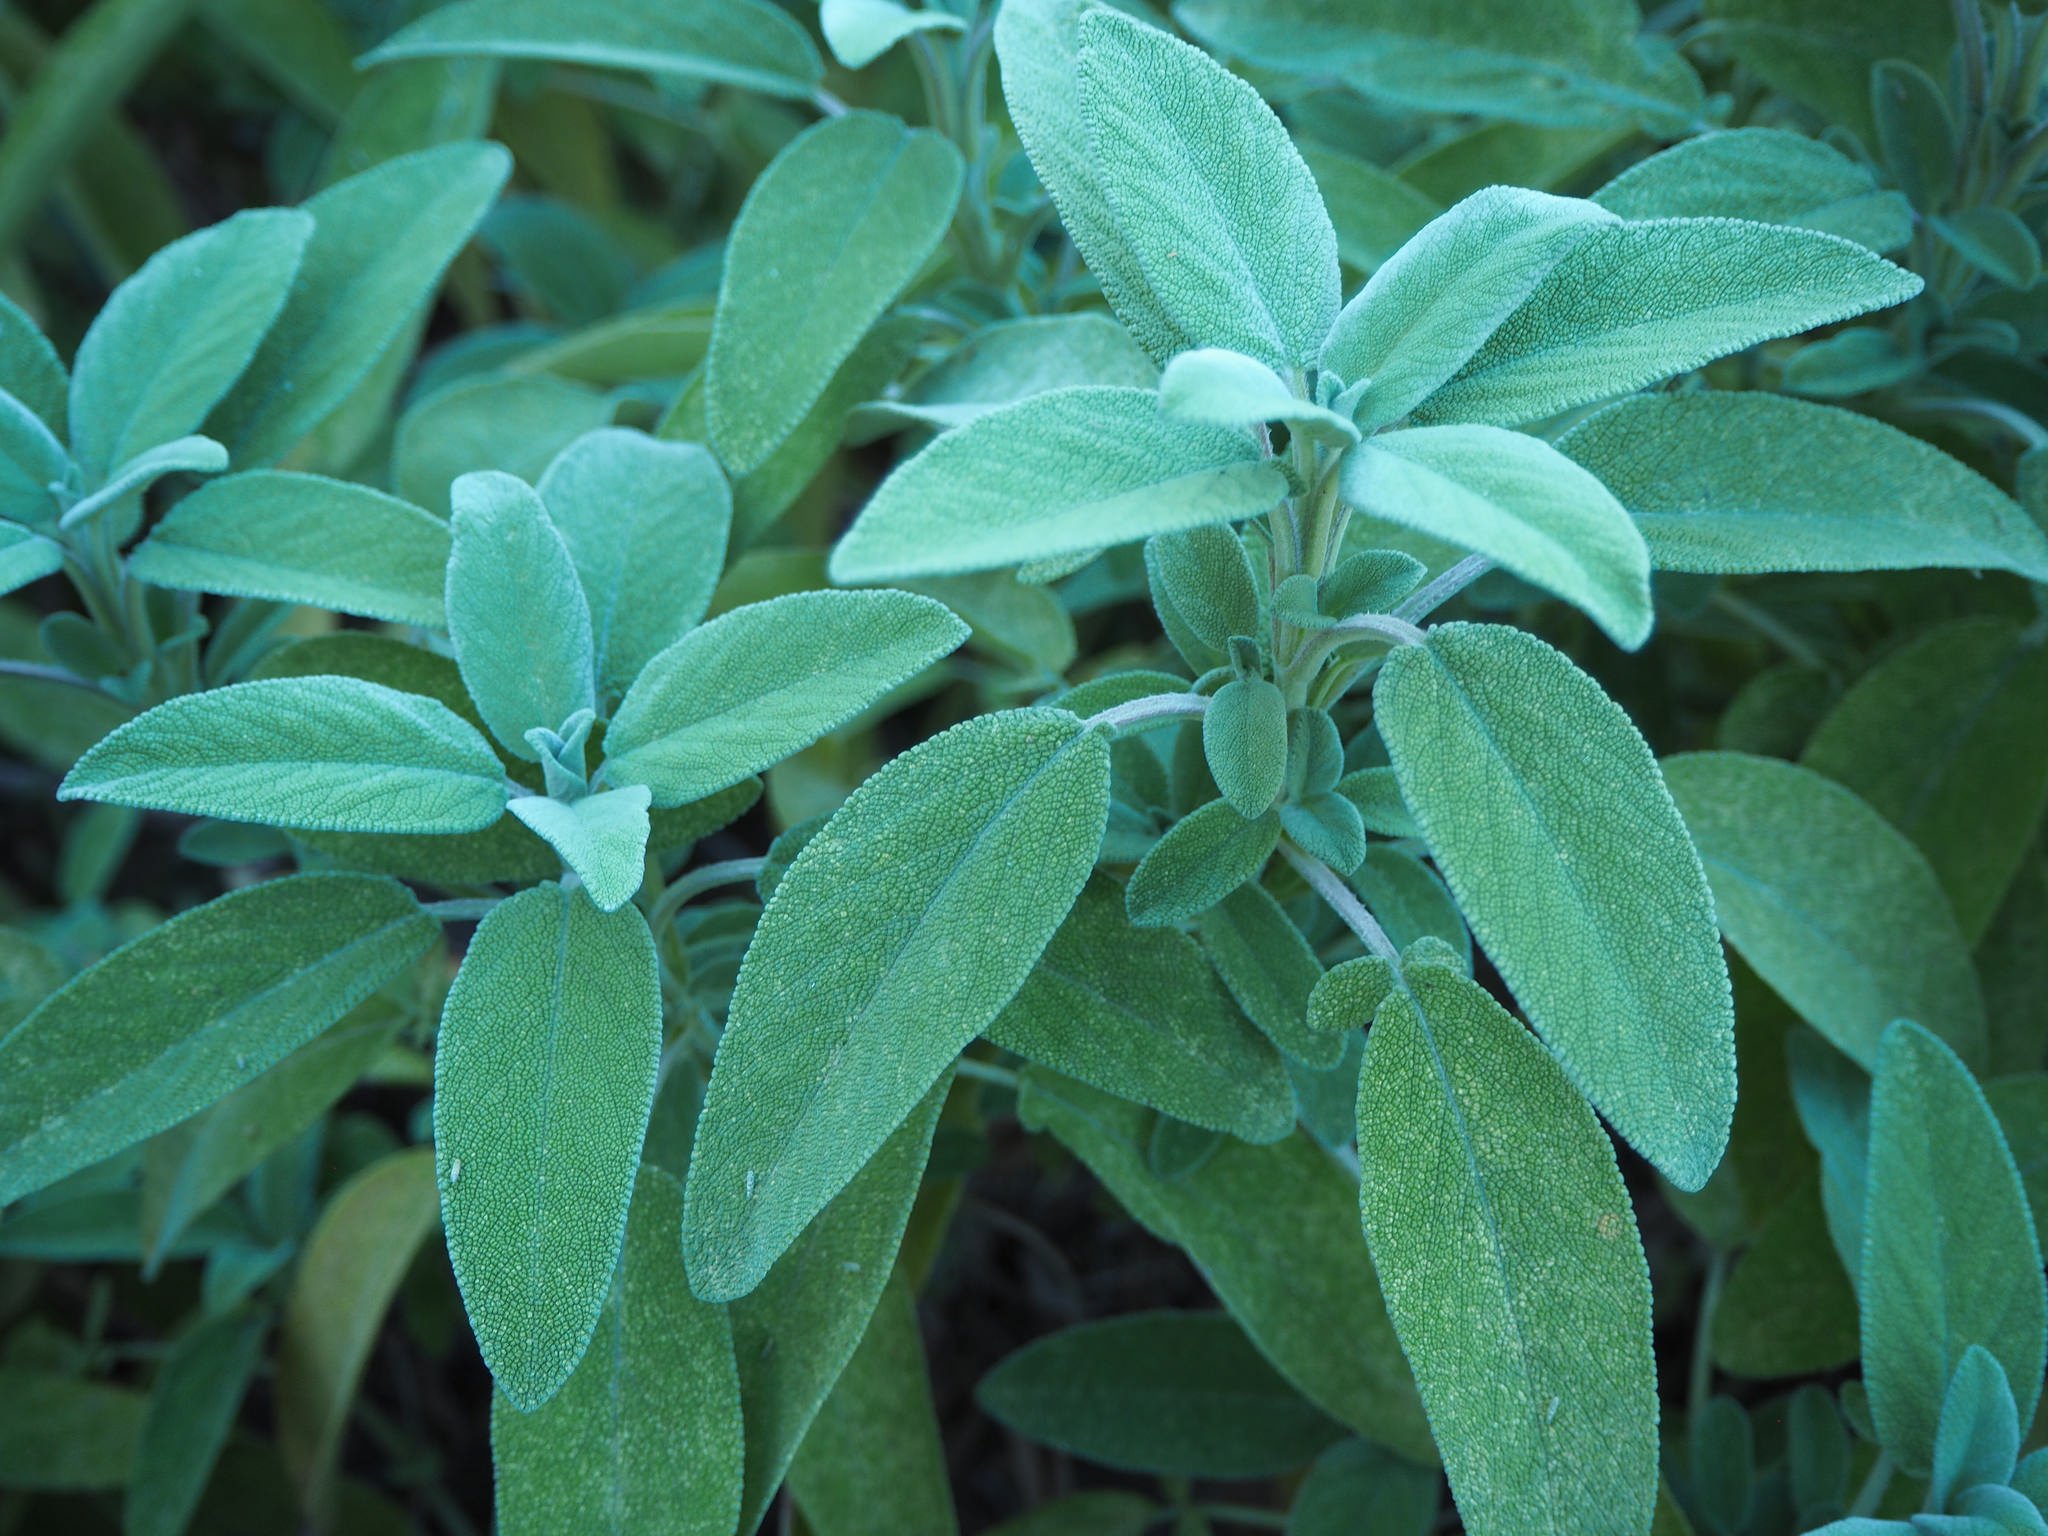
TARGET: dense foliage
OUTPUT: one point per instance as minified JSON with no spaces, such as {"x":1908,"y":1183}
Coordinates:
{"x":1276,"y":766}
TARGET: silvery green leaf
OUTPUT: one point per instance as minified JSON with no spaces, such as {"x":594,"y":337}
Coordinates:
{"x":33,"y":464}
{"x":26,"y":557}
{"x":514,"y":422}
{"x":1221,"y":388}
{"x":860,"y":31}
{"x":1003,"y":363}
{"x":191,"y":455}
{"x":1373,"y":211}
{"x":1270,"y":969}
{"x":1203,"y":857}
{"x":602,"y":837}
{"x":30,"y":369}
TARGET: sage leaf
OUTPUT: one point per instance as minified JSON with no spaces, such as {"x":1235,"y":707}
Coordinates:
{"x":1203,"y":857}
{"x":195,"y":455}
{"x":756,"y":684}
{"x":1221,"y":388}
{"x":1592,"y":903}
{"x":1011,"y":360}
{"x":292,"y":538}
{"x":1319,"y":1320}
{"x":830,"y":1040}
{"x":601,"y":837}
{"x":1062,"y":473}
{"x":644,"y":1437}
{"x":1137,"y":1013}
{"x":1530,"y":1335}
{"x":861,"y":31}
{"x":190,"y":1011}
{"x":26,"y":557}
{"x":33,"y":465}
{"x":1788,"y":1308}
{"x":1978,"y":1439}
{"x":63,"y":1434}
{"x":174,"y":337}
{"x":1270,"y":969}
{"x":1174,"y":1393}
{"x":527,"y":664}
{"x":1520,"y":503}
{"x":1950,"y":1258}
{"x":1410,"y":902}
{"x":192,"y":1407}
{"x":831,"y":233}
{"x":1357,"y":1485}
{"x":517,"y":423}
{"x":1209,"y":194}
{"x":1203,"y":589}
{"x":30,"y":369}
{"x":646,"y":523}
{"x":1828,"y":903}
{"x":550,"y":1041}
{"x":1639,"y":301}
{"x":324,"y":753}
{"x":1704,"y":476}
{"x":749,"y":43}
{"x":1244,"y":739}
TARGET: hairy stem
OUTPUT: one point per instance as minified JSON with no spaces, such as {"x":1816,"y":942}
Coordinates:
{"x":1144,"y":714}
{"x":1326,"y":883}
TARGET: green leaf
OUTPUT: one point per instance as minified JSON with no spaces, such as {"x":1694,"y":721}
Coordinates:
{"x":1039,"y":45}
{"x":191,"y":1010}
{"x":1373,"y":211}
{"x":832,"y":232}
{"x":796,"y":1331}
{"x":1176,"y":1393}
{"x":1270,"y":969}
{"x":861,"y":31}
{"x":1519,"y":502}
{"x":1318,"y":1316}
{"x":601,"y":837}
{"x":749,"y":43}
{"x":1530,"y":1335}
{"x":1978,"y":1440}
{"x":30,"y":369}
{"x":1788,"y":1309}
{"x":63,"y":1434}
{"x":1010,"y":360}
{"x":26,"y":557}
{"x":292,"y":538}
{"x":1221,"y":388}
{"x":1821,"y":51}
{"x":1244,"y":738}
{"x":1767,"y":174}
{"x":1100,"y":1512}
{"x":1209,"y":194}
{"x":1830,"y":905}
{"x":1203,"y":857}
{"x":2021,"y":1104}
{"x":550,"y":1042}
{"x":1915,"y":133}
{"x":517,"y":423}
{"x":1137,"y":1013}
{"x":1950,"y":1258}
{"x":756,"y":684}
{"x":174,"y":337}
{"x":358,"y":1252}
{"x":1358,"y":1486}
{"x":644,"y":1439}
{"x":1704,"y":475}
{"x":646,"y":523}
{"x":192,"y":1407}
{"x":830,"y":1039}
{"x":516,"y":612}
{"x":195,"y":454}
{"x":1062,"y":473}
{"x":1436,"y":300}
{"x":326,"y":753}
{"x":1639,"y":301}
{"x":1377,"y":794}
{"x":1591,"y":902}
{"x":381,"y":241}
{"x":1996,"y":242}
{"x":33,"y":465}
{"x":1202,"y":583}
{"x":872,"y":1464}
{"x":1947,"y":739}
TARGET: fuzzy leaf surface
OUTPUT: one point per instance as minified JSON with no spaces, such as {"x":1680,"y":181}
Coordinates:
{"x":602,"y":837}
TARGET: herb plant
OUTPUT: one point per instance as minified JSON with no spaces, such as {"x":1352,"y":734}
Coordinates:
{"x":757,"y":670}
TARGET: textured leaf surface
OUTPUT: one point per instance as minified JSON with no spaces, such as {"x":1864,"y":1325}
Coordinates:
{"x":1704,"y":475}
{"x":1317,"y":1313}
{"x":1577,"y":876}
{"x":1640,"y":301}
{"x":1950,"y":1258}
{"x":830,"y":234}
{"x":1244,"y":738}
{"x":1519,"y":502}
{"x":292,"y":538}
{"x":1061,"y":473}
{"x":602,"y":837}
{"x":1270,"y":969}
{"x":861,"y":31}
{"x":545,"y":1072}
{"x":644,"y":1437}
{"x":26,"y":557}
{"x":1136,"y":1012}
{"x":30,"y":369}
{"x":190,"y":1011}
{"x":1228,"y":389}
{"x":743,"y":692}
{"x":1012,"y":359}
{"x":1177,"y":1393}
{"x":1203,"y":857}
{"x":831,"y":1038}
{"x":1511,"y":1266}
{"x":1831,"y":905}
{"x":324,"y":753}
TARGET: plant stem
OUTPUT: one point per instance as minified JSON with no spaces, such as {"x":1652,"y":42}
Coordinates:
{"x":1871,"y":1494}
{"x":1302,"y":667}
{"x":462,"y":910}
{"x":1426,"y":599}
{"x":1700,"y":1384}
{"x":1144,"y":714}
{"x":1785,"y":638}
{"x":1324,"y":881}
{"x":987,"y":1072}
{"x":33,"y":671}
{"x":695,"y":882}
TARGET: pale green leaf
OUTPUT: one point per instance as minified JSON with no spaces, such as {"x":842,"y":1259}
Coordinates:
{"x":1517,"y":501}
{"x":1221,"y":388}
{"x":1508,"y":1255}
{"x":1639,"y":301}
{"x":1209,"y":194}
{"x":1545,"y":811}
{"x":192,"y":1407}
{"x":1137,"y":1013}
{"x":644,"y":1439}
{"x":1978,"y":1439}
{"x":830,"y":235}
{"x":291,"y":538}
{"x":30,"y":369}
{"x":1062,"y":473}
{"x":861,"y":31}
{"x":1373,"y":211}
{"x":754,"y":685}
{"x":601,"y":837}
{"x":124,"y":485}
{"x":1203,"y":857}
{"x":1010,"y":360}
{"x":831,"y":1037}
{"x":323,"y":753}
{"x":1202,"y":582}
{"x":34,"y":467}
{"x":1829,"y":904}
{"x":1270,"y":969}
{"x":175,"y":336}
{"x":26,"y":557}
{"x":550,"y":1042}
{"x":1996,"y":241}
{"x":517,"y":423}
{"x":1704,"y":475}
